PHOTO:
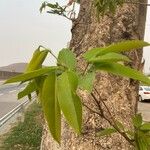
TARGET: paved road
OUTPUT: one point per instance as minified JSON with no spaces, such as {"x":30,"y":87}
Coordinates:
{"x":8,"y":97}
{"x":144,"y":108}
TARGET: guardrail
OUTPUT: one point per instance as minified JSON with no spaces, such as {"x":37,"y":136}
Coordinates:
{"x":10,"y":114}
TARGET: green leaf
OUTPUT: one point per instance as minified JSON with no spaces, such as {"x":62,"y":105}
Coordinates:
{"x":130,"y":134}
{"x":31,"y":75}
{"x":106,"y":132}
{"x":141,"y":144}
{"x":137,"y":120}
{"x":32,"y":61}
{"x":39,"y":82}
{"x":67,"y":58}
{"x":37,"y":60}
{"x":110,"y":57}
{"x":145,"y":127}
{"x":120,"y":125}
{"x":51,"y":107}
{"x":69,"y":101}
{"x":116,"y":48}
{"x":30,"y":97}
{"x":86,"y":82}
{"x":92,"y":53}
{"x":42,"y":6}
{"x":124,"y":46}
{"x":31,"y":87}
{"x":122,"y":70}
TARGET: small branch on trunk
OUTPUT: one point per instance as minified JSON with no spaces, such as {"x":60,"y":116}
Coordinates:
{"x":92,"y":110}
{"x":86,"y":67}
{"x":113,"y":124}
{"x":98,"y":104}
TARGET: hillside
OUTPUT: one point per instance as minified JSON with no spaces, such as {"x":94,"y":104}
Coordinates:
{"x":16,"y":67}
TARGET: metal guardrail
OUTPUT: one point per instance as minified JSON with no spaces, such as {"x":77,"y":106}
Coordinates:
{"x":10,"y":114}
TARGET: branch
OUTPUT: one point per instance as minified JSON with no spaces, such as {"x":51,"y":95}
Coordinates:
{"x":98,"y":104}
{"x":92,"y":110}
{"x":114,"y":122}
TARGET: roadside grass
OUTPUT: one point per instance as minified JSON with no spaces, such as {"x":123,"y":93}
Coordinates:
{"x":27,"y":134}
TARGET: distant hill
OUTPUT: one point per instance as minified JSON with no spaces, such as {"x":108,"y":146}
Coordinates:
{"x":16,"y":67}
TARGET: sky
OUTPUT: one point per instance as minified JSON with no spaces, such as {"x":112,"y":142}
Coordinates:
{"x":23,"y":29}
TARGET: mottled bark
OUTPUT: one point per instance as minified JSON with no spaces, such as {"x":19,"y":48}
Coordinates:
{"x":119,"y":94}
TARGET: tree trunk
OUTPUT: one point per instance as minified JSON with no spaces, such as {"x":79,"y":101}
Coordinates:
{"x":119,"y":94}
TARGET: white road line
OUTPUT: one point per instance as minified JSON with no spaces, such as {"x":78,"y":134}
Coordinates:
{"x":1,"y":94}
{"x":12,"y":91}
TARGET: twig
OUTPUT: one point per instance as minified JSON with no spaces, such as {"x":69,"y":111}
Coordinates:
{"x":86,"y":67}
{"x":98,"y":104}
{"x":106,"y":107}
{"x":94,"y":111}
{"x":114,"y":122}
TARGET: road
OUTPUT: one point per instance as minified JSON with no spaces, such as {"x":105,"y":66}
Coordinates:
{"x":144,"y":109}
{"x":8,"y":97}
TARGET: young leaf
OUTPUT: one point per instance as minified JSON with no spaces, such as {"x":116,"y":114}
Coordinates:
{"x":92,"y":53}
{"x":120,"y":125}
{"x":32,"y":61}
{"x":130,"y":134}
{"x":31,"y":75}
{"x":86,"y":82}
{"x":122,"y":70}
{"x":110,"y":57}
{"x":42,"y":6}
{"x":51,"y":107}
{"x":30,"y":97}
{"x":141,"y":144}
{"x":39,"y":82}
{"x":38,"y":63}
{"x":124,"y":46}
{"x":69,"y":102}
{"x":31,"y":87}
{"x":145,"y":127}
{"x":67,"y":58}
{"x":106,"y":132}
{"x":116,"y":48}
{"x":137,"y":120}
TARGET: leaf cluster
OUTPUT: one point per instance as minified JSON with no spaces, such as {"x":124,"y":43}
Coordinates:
{"x":102,"y":7}
{"x":107,"y":6}
{"x":140,"y":135}
{"x":54,"y":8}
{"x":56,"y":86}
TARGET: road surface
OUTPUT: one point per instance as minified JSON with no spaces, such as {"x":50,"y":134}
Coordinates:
{"x":144,"y":109}
{"x":8,"y":97}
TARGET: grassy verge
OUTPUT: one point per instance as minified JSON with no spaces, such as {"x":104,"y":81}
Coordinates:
{"x":26,"y":135}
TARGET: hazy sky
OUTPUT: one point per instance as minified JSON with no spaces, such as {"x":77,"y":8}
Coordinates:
{"x":23,"y":29}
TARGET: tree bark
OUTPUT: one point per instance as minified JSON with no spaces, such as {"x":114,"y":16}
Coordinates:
{"x":119,"y":94}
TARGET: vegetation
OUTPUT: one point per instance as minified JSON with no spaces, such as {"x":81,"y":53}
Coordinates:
{"x":57,"y":86}
{"x":27,"y":134}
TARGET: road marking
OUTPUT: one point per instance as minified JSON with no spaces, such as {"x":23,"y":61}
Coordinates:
{"x":1,"y":94}
{"x":12,"y":91}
